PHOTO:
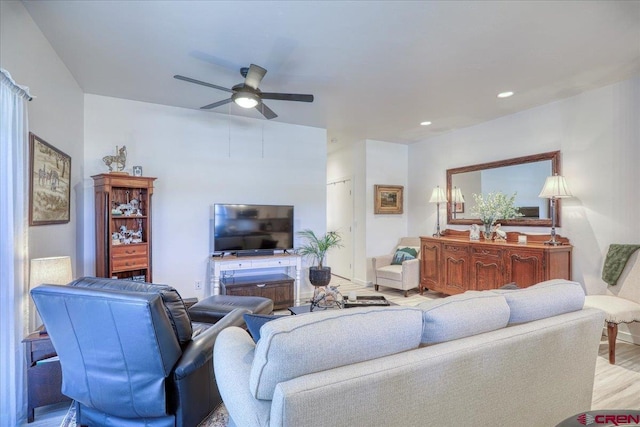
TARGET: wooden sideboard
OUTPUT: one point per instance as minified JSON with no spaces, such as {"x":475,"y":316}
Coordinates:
{"x":453,"y":264}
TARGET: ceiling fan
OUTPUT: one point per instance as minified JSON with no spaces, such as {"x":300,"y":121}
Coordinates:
{"x":247,"y":94}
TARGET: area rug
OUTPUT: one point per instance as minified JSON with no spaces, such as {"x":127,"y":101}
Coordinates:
{"x":217,"y":418}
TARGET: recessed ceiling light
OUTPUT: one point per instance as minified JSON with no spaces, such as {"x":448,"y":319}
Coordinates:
{"x":425,"y":123}
{"x":505,"y":94}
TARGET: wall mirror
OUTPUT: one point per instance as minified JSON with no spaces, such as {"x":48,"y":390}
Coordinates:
{"x":523,"y":175}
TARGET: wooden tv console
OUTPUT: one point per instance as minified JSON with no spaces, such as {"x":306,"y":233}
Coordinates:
{"x":453,"y":264}
{"x":228,"y":265}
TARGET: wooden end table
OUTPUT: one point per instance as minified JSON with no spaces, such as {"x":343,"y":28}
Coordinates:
{"x":44,"y":375}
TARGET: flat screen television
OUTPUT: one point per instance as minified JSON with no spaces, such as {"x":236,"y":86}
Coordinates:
{"x":238,"y":228}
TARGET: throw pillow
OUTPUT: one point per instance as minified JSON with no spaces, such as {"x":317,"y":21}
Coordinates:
{"x":509,"y":286}
{"x":545,"y":299}
{"x":255,"y":321}
{"x":403,"y":254}
{"x":462,"y":315}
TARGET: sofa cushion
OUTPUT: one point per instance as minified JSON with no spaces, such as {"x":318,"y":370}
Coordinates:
{"x":545,"y":299}
{"x":255,"y":321}
{"x":462,"y":315}
{"x":303,"y":344}
{"x":404,"y":254}
{"x":391,"y":272}
{"x":173,"y":304}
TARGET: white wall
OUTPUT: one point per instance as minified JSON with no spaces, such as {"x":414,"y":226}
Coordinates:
{"x":371,"y":162}
{"x":55,"y":115}
{"x":202,"y":158}
{"x":386,"y":165}
{"x":598,"y":133}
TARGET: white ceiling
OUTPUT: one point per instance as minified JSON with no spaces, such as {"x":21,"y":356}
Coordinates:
{"x":376,"y":68}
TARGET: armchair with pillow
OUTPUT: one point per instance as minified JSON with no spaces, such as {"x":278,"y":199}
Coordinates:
{"x":129,"y":352}
{"x":400,"y":269}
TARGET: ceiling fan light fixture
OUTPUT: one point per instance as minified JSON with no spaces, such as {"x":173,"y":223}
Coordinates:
{"x":245,"y":99}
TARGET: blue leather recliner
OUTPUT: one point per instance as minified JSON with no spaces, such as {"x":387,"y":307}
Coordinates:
{"x":127,"y":352}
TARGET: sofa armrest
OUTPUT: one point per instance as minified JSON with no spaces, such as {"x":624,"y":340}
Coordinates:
{"x":381,"y":261}
{"x":193,"y":388}
{"x":233,"y":358}
{"x":411,"y":272}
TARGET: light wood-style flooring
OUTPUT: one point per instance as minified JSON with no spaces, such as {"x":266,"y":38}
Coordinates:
{"x":615,"y":386}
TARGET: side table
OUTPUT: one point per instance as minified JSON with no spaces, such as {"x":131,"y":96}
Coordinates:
{"x":44,"y":375}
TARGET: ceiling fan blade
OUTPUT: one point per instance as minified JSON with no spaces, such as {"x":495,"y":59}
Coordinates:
{"x":216,"y":104}
{"x":266,"y":111}
{"x":198,"y":82}
{"x":287,"y":96}
{"x":254,"y":76}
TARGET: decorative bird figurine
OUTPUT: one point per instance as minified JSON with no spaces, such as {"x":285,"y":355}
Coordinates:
{"x":501,"y":235}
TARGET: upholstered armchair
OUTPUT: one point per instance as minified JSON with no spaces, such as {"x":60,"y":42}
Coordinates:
{"x":620,"y":302}
{"x":395,"y":271}
{"x":128,"y":353}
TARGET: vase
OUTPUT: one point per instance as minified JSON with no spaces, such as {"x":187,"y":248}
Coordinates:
{"x":487,"y":231}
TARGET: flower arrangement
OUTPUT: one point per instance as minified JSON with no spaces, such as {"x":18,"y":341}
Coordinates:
{"x":494,"y":206}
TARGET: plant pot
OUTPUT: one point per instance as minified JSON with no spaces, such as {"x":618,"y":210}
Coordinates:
{"x":319,"y":276}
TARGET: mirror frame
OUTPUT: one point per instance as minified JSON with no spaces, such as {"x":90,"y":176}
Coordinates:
{"x":554,"y":156}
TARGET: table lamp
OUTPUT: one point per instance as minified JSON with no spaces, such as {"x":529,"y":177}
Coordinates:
{"x":456,"y":197}
{"x":438,"y":196}
{"x":555,"y":187}
{"x":52,"y":270}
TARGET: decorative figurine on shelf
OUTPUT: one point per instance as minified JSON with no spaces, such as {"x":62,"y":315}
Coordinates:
{"x":115,"y":238}
{"x":135,"y":207}
{"x":120,"y":159}
{"x":136,"y":236}
{"x":501,"y":235}
{"x":474,"y":234}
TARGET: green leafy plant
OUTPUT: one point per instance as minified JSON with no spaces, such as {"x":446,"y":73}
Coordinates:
{"x":494,"y":206}
{"x":317,"y":247}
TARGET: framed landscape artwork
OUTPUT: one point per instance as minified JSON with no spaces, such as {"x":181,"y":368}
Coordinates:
{"x":49,"y":184}
{"x":388,"y":199}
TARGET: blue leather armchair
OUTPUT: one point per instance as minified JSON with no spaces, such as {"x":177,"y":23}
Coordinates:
{"x":127,"y":352}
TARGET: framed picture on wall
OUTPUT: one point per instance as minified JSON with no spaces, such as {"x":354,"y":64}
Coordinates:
{"x":49,"y":183}
{"x":458,"y":207}
{"x":388,"y":199}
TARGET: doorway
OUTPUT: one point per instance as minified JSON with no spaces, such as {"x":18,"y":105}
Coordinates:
{"x":340,"y":219}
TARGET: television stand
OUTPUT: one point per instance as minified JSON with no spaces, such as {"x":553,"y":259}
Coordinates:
{"x":217,"y":265}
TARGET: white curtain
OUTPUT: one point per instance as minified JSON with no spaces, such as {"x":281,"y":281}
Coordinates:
{"x":13,"y":248}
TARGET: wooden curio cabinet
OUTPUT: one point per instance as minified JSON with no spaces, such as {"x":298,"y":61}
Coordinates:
{"x":453,"y":264}
{"x":123,"y":226}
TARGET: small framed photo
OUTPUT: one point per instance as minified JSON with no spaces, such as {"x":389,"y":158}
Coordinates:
{"x":388,"y":199}
{"x":458,"y":207}
{"x":137,"y":171}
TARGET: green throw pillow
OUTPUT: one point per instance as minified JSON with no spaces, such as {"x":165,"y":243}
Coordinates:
{"x":404,"y":254}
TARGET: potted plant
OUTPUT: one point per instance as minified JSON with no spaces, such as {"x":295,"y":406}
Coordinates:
{"x":316,"y":248}
{"x":493,"y":207}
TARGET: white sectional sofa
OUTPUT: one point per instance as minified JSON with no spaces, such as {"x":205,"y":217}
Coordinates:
{"x":493,"y":358}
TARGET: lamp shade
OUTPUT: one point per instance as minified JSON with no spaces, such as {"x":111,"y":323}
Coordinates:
{"x":438,"y":196}
{"x":53,"y":270}
{"x":457,"y":195}
{"x":555,"y":187}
